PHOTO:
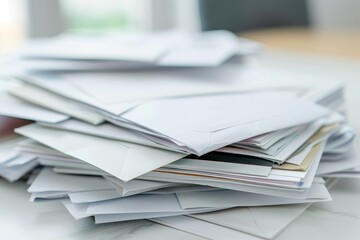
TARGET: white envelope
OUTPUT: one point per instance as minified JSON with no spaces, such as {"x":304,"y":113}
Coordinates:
{"x":78,"y":211}
{"x":146,"y":203}
{"x":14,"y":173}
{"x":103,"y":47}
{"x":136,"y":186}
{"x":48,"y":181}
{"x":286,"y":146}
{"x":7,"y":149}
{"x":262,"y":222}
{"x":51,"y":101}
{"x":299,"y":191}
{"x":45,"y":196}
{"x":120,"y":91}
{"x":104,"y":130}
{"x":103,"y":195}
{"x":108,"y":218}
{"x":139,"y":207}
{"x":341,"y":141}
{"x":168,"y":48}
{"x":93,"y":196}
{"x":19,"y":160}
{"x":13,"y":107}
{"x":219,"y":167}
{"x":289,"y":193}
{"x":170,"y":203}
{"x":204,"y":229}
{"x":121,"y":159}
{"x":207,"y":123}
{"x":347,"y":161}
{"x":228,"y":198}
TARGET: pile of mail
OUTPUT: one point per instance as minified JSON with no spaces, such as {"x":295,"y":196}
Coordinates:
{"x":177,"y":130}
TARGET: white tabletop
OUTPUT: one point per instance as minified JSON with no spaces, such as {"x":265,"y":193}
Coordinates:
{"x":339,"y":219}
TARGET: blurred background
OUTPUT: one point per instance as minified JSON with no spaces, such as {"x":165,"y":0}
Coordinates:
{"x":21,"y":19}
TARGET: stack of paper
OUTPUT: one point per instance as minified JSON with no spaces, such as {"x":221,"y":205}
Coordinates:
{"x":151,"y":141}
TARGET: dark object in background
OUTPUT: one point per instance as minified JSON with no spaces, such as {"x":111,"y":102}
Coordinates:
{"x":243,"y":15}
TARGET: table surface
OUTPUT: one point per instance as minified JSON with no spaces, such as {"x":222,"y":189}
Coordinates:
{"x":340,"y":43}
{"x":21,"y":219}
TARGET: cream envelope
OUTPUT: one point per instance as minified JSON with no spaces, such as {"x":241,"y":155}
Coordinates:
{"x":120,"y":159}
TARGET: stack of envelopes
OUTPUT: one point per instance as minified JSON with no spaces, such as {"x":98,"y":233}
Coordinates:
{"x":179,"y":126}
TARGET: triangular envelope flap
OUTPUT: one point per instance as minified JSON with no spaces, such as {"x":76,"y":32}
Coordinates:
{"x":140,"y":161}
{"x":48,"y":180}
{"x":284,"y":215}
{"x":235,"y":218}
{"x":219,"y":139}
{"x":190,"y":120}
{"x":110,"y":158}
{"x":123,"y":160}
{"x":264,"y":222}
